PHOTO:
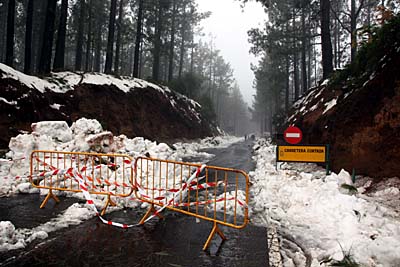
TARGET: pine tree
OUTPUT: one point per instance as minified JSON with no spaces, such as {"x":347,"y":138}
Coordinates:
{"x":119,"y":33}
{"x":110,"y":39}
{"x":10,"y":33}
{"x":28,"y":38}
{"x":58,"y":64}
{"x":79,"y":39}
{"x":44,"y":66}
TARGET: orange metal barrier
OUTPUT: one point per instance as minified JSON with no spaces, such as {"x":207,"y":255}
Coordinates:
{"x":104,"y":174}
{"x":219,"y":195}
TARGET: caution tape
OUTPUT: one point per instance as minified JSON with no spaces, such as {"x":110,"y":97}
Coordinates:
{"x":77,"y":175}
{"x":177,"y":194}
{"x":89,"y":201}
{"x":84,"y":187}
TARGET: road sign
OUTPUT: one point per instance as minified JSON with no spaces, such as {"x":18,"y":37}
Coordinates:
{"x":310,"y":153}
{"x":293,"y":135}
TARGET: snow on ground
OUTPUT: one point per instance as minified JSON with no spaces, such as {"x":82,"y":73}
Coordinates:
{"x":62,"y":82}
{"x":192,"y":149}
{"x":299,"y":200}
{"x":324,"y":218}
{"x":84,"y":135}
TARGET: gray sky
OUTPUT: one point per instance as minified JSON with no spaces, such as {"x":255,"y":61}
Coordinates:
{"x":229,"y":24}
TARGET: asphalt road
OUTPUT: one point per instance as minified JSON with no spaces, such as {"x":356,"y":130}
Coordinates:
{"x":175,"y":241}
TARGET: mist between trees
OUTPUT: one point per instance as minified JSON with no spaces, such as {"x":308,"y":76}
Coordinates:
{"x":149,"y":39}
{"x":305,"y":42}
{"x":301,"y":43}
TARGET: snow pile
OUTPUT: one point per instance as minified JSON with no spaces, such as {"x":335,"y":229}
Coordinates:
{"x":193,"y":149}
{"x":321,"y":214}
{"x":57,"y":130}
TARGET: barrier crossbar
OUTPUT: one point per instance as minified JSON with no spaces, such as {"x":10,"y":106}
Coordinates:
{"x":216,"y":194}
{"x":103,"y":174}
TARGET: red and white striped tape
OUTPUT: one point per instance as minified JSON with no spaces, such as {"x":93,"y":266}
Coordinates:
{"x":77,"y":175}
{"x":79,"y":178}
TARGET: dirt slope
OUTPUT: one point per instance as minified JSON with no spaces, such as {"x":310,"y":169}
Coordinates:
{"x":130,"y":107}
{"x":359,"y":116}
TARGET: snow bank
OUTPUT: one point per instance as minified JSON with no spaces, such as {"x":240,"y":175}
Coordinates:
{"x":301,"y":200}
{"x":57,"y":130}
{"x":61,"y":82}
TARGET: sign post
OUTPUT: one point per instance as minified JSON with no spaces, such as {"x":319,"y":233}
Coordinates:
{"x":299,"y":153}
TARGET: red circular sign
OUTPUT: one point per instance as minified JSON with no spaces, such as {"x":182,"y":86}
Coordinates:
{"x":293,"y":135}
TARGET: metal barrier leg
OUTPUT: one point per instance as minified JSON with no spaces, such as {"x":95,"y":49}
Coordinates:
{"x":214,"y":230}
{"x":49,"y":195}
{"x":109,"y":202}
{"x":149,"y":211}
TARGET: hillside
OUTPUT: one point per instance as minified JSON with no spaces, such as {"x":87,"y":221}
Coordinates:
{"x":357,"y":111}
{"x":125,"y":105}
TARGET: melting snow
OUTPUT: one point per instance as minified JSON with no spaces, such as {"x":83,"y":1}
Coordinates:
{"x":319,"y":214}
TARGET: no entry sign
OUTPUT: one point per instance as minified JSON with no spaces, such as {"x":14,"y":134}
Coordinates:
{"x":293,"y":135}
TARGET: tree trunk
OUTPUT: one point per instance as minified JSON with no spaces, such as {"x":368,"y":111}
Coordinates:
{"x":97,"y":52}
{"x":3,"y":29}
{"x":303,"y":52}
{"x":327,"y":57}
{"x":10,"y":33}
{"x":39,"y":17}
{"x":182,"y":48}
{"x":88,"y":60}
{"x":118,"y":44}
{"x":172,"y":44}
{"x":48,"y":35}
{"x":287,"y":87}
{"x":61,"y":33}
{"x":310,"y":56}
{"x":110,"y":39}
{"x":192,"y":57}
{"x":157,"y":43}
{"x":138,"y":40}
{"x":79,"y":39}
{"x":353,"y":30}
{"x":295,"y":60}
{"x":28,"y":38}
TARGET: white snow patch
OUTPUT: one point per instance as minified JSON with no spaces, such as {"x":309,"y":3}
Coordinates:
{"x":299,"y":199}
{"x":57,"y":130}
{"x":55,"y":106}
{"x":330,"y":105}
{"x":13,"y":103}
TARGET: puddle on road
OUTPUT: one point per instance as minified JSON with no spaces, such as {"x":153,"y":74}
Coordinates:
{"x":175,"y":241}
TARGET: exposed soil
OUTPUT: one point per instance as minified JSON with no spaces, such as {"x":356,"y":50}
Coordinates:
{"x":145,"y":112}
{"x":363,"y":128}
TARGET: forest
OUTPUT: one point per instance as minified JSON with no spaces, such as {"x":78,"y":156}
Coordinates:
{"x":304,"y":42}
{"x":301,"y":43}
{"x":157,"y":40}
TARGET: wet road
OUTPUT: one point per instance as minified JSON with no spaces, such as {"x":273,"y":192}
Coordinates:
{"x":236,"y":156}
{"x":175,"y":241}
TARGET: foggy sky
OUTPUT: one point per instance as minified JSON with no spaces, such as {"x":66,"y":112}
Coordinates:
{"x":228,"y":25}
